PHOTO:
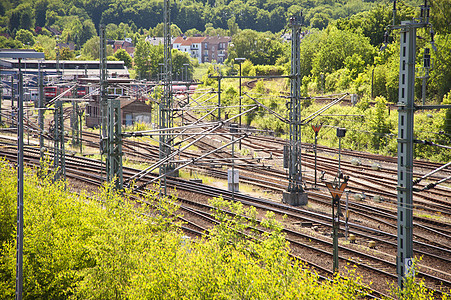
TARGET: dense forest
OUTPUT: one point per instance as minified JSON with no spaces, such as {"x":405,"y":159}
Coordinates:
{"x":260,"y":15}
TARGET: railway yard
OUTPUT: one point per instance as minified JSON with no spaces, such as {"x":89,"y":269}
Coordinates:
{"x":369,"y":243}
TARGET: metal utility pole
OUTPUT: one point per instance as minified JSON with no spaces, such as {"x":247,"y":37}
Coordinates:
{"x":186,"y":74}
{"x":74,"y":120}
{"x":114,"y":144}
{"x":406,"y":109}
{"x":12,"y":91}
{"x":20,"y":168}
{"x":316,"y":129}
{"x":59,"y":158}
{"x":240,"y":60}
{"x":295,"y":194}
{"x":426,"y":67}
{"x":13,"y":95}
{"x":20,"y":192}
{"x":405,"y":148}
{"x":41,"y":115}
{"x":1,"y":95}
{"x":232,"y":175}
{"x":165,"y":107}
{"x":341,"y":132}
{"x":57,"y":48}
{"x":219,"y":97}
{"x":103,"y":90}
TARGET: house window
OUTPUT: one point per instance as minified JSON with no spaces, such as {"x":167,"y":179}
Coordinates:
{"x":206,"y":46}
{"x":213,"y":48}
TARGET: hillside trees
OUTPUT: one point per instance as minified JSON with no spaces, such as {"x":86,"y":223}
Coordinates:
{"x":190,"y":14}
{"x":91,"y":48}
{"x":40,"y":8}
{"x":21,"y":17}
{"x":78,"y":32}
{"x":373,"y":23}
{"x":261,"y":48}
{"x":439,"y":83}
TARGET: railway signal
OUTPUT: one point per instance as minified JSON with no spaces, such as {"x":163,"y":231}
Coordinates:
{"x":336,"y":190}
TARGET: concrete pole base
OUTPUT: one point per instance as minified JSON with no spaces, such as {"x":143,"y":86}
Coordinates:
{"x":295,"y":198}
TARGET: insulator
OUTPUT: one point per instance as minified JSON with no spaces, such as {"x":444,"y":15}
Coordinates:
{"x":386,"y":35}
{"x":426,"y":58}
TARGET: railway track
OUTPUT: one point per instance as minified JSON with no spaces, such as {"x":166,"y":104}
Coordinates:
{"x":88,"y":171}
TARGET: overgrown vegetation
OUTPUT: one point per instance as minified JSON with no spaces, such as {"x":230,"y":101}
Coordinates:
{"x":104,"y":247}
{"x":371,"y":124}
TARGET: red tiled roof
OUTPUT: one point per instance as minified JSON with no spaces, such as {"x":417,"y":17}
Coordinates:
{"x":189,"y":40}
{"x":178,"y":40}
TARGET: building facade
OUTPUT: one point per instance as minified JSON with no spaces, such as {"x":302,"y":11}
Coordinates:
{"x":214,"y":48}
{"x":190,"y":45}
{"x":204,"y":49}
{"x":126,"y":44}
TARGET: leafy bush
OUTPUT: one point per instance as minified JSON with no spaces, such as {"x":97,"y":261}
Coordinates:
{"x":106,"y":247}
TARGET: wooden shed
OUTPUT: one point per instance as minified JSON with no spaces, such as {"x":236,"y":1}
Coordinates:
{"x":132,"y":111}
{"x":135,"y":111}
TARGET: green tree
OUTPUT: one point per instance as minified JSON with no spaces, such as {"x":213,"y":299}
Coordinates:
{"x":22,"y":17}
{"x":335,"y":46}
{"x":66,"y":54}
{"x":88,"y":31}
{"x":260,"y":48}
{"x":159,"y":30}
{"x":9,"y":43}
{"x":440,"y":12}
{"x":179,"y":59}
{"x":25,"y":37}
{"x":379,"y":123}
{"x":320,"y":20}
{"x":192,"y":32}
{"x":123,"y":55}
{"x":48,"y":44}
{"x":232,"y":26}
{"x":90,"y":49}
{"x":440,"y":74}
{"x":72,"y":31}
{"x":447,"y":123}
{"x":40,"y":8}
{"x":142,"y":59}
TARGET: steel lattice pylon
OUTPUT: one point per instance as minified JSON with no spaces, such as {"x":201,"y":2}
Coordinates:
{"x":295,"y":193}
{"x":406,"y":110}
{"x":114,"y":144}
{"x":59,"y":160}
{"x":74,"y":120}
{"x":103,"y":88}
{"x":165,"y":107}
{"x":111,"y":135}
